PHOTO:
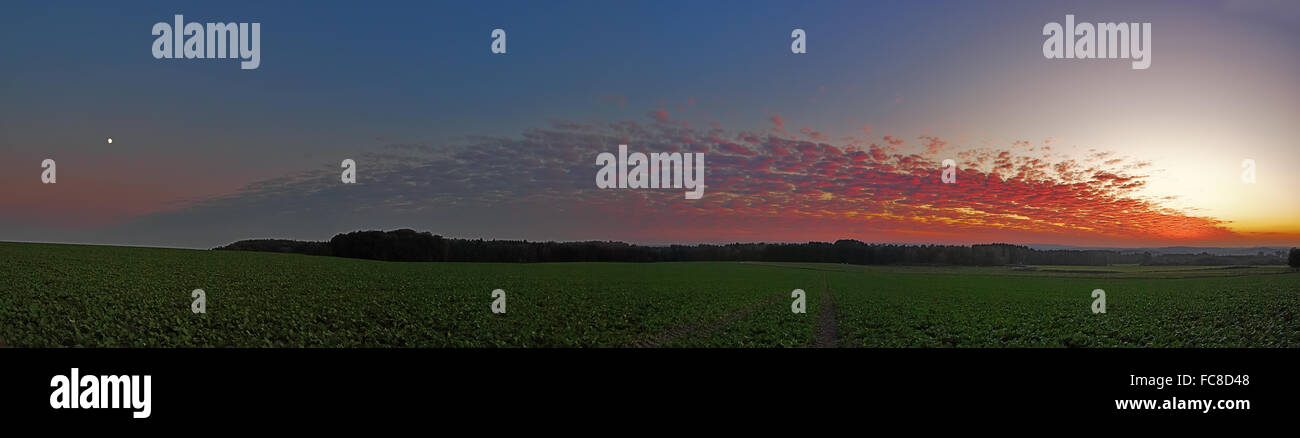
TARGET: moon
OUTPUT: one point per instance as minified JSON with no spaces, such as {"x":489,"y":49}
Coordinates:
{"x":110,"y":140}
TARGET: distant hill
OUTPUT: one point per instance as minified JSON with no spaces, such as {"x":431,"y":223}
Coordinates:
{"x":410,"y":245}
{"x":280,"y":245}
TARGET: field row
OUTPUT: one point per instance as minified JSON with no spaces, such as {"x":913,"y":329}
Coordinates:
{"x":68,"y":295}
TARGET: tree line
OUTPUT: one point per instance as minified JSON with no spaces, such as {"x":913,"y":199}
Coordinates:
{"x":410,"y":245}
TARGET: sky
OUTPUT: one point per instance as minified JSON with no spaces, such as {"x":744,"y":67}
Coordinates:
{"x":844,"y":141}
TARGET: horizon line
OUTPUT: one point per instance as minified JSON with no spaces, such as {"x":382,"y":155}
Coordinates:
{"x":1028,"y":245}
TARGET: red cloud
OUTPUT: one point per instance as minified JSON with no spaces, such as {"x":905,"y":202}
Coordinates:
{"x":799,"y":190}
{"x":761,"y":185}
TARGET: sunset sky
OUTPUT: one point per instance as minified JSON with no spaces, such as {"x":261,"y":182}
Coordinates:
{"x":844,"y":141}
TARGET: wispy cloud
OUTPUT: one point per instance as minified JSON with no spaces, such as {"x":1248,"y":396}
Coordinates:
{"x":760,"y":186}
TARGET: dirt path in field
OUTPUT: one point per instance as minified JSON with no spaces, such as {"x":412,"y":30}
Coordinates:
{"x":703,"y":328}
{"x":828,"y":329}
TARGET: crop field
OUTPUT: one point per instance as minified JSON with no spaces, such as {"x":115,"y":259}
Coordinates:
{"x":99,"y":296}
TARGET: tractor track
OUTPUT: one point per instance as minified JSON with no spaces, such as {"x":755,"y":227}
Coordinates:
{"x":828,"y":328}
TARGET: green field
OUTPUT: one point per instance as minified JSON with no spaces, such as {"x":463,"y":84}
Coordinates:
{"x":97,"y":296}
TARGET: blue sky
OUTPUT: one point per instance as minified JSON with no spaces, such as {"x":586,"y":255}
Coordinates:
{"x":344,"y":80}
